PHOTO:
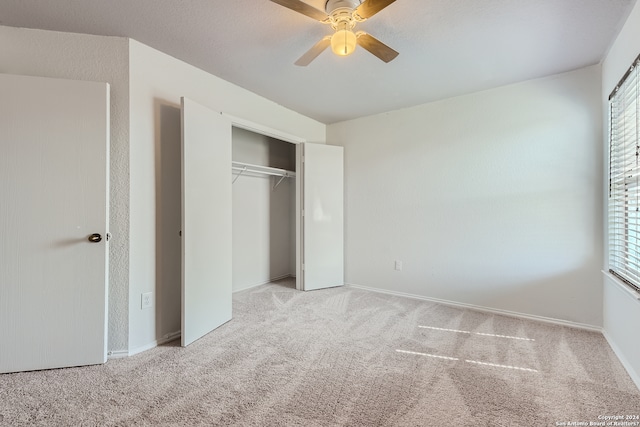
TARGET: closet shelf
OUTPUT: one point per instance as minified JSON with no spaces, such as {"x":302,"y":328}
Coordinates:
{"x":264,"y":170}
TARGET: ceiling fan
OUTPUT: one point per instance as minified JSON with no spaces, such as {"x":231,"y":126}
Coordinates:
{"x":343,"y":15}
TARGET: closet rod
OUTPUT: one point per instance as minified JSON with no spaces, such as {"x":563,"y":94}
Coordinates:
{"x":248,"y":167}
{"x":265,"y":170}
{"x":284,"y":173}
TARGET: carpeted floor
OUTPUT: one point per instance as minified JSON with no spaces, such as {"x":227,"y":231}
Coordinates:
{"x":341,"y":357}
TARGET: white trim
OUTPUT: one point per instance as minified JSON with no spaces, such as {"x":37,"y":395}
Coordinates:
{"x":117,"y":354}
{"x":559,"y":322}
{"x":153,"y":344}
{"x":618,"y":284}
{"x":170,"y":337}
{"x":635,"y":377}
{"x":285,"y":276}
{"x":263,"y":130}
{"x":149,"y":346}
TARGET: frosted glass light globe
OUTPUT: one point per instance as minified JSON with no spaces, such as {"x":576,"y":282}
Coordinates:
{"x":343,"y":42}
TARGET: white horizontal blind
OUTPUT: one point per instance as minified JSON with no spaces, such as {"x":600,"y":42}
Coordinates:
{"x":624,"y":178}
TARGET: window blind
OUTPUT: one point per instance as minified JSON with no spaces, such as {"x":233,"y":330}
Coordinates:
{"x":624,"y":178}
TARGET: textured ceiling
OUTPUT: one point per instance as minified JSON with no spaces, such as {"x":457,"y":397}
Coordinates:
{"x":447,"y":47}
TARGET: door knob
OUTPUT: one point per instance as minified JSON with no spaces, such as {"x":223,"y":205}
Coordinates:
{"x":95,"y":238}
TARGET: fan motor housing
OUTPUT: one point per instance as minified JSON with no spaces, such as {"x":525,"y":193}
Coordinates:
{"x":333,"y":5}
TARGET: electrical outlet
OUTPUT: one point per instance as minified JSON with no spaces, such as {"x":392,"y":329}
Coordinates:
{"x":398,"y":265}
{"x":147,"y":300}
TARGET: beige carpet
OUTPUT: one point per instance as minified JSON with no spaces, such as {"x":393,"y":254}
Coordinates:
{"x":340,"y":357}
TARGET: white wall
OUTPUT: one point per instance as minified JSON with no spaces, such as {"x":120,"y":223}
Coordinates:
{"x":99,"y":59}
{"x":157,"y":81}
{"x":491,"y":199}
{"x":262,"y":222}
{"x":621,"y":309}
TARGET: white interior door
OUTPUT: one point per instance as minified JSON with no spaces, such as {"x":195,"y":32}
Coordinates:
{"x":206,"y":221}
{"x":323,"y":223}
{"x":54,"y":144}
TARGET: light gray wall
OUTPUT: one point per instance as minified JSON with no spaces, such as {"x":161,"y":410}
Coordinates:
{"x":621,"y":309}
{"x":99,"y":59}
{"x":491,"y":199}
{"x":263,"y":225}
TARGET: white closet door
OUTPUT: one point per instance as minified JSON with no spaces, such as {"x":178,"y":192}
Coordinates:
{"x":323,"y":222}
{"x":206,"y":221}
{"x":54,"y":145}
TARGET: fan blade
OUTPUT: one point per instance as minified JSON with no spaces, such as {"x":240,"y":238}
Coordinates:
{"x":312,"y":53}
{"x":370,"y":7}
{"x":303,"y":8}
{"x":376,"y":47}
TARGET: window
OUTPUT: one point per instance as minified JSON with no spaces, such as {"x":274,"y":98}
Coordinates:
{"x":624,"y":178}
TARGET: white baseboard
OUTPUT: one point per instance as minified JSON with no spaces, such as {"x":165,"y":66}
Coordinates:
{"x":142,"y":348}
{"x":169,"y":337}
{"x":273,"y":279}
{"x":635,"y":376}
{"x":117,"y":354}
{"x":165,"y":339}
{"x":483,"y":309}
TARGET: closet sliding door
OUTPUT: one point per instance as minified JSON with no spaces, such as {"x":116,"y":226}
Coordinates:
{"x":206,"y":221}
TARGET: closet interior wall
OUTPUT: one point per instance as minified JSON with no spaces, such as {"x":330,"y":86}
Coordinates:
{"x":264,"y":238}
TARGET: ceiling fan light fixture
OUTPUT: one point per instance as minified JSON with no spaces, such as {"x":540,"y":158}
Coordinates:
{"x":343,"y":42}
{"x":343,"y":16}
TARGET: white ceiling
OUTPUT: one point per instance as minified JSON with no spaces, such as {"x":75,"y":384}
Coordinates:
{"x":447,"y":47}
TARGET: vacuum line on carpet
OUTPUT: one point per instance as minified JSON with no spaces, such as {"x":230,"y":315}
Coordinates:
{"x":475,"y":362}
{"x":428,"y":355}
{"x":475,"y":333}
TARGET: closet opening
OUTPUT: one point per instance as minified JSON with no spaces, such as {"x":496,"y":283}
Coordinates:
{"x":263,"y":209}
